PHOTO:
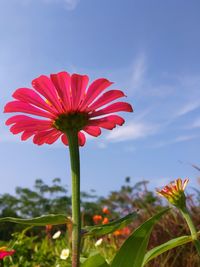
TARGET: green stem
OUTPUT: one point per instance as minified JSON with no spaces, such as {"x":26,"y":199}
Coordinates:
{"x":72,"y":136}
{"x":192,"y":228}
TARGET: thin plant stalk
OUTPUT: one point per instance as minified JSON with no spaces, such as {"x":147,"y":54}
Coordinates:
{"x":194,"y":234}
{"x":72,"y":136}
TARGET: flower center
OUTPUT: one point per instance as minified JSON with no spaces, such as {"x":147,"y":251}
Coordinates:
{"x":73,"y":120}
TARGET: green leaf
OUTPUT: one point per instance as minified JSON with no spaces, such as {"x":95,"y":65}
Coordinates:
{"x":104,"y":229}
{"x":53,"y":219}
{"x":131,"y":253}
{"x":95,"y":261}
{"x":153,"y":253}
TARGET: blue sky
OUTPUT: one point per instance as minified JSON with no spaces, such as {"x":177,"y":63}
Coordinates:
{"x":150,"y":49}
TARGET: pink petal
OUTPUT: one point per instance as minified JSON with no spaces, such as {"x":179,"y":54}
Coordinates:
{"x":26,"y":135}
{"x":106,"y":98}
{"x":119,"y":106}
{"x":46,"y":88}
{"x":18,"y":106}
{"x":53,"y":138}
{"x":64,"y":139}
{"x":17,"y":128}
{"x":108,"y":122}
{"x":103,"y":124}
{"x":81,"y":139}
{"x":26,"y":120}
{"x":92,"y":130}
{"x":62,"y":82}
{"x":29,"y":96}
{"x":94,"y":90}
{"x":78,"y":85}
{"x":42,"y":137}
{"x":4,"y":254}
{"x":17,"y":118}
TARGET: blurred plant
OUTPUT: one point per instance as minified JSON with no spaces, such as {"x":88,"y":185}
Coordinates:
{"x":174,"y":193}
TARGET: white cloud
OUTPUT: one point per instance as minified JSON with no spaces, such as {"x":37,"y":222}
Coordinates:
{"x":181,"y":138}
{"x":132,"y":131}
{"x":189,"y":107}
{"x":138,"y":71}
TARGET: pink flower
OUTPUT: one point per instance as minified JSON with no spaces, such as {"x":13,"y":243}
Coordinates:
{"x":4,"y":253}
{"x":64,"y":103}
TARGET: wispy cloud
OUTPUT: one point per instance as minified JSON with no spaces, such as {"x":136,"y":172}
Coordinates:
{"x":195,"y":124}
{"x":181,"y":138}
{"x":132,"y":131}
{"x":138,"y":71}
{"x":189,"y":107}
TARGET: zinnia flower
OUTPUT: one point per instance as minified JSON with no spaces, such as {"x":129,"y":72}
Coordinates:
{"x":4,"y":253}
{"x":64,"y":103}
{"x":174,"y":192}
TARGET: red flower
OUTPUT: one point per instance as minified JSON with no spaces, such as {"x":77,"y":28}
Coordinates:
{"x":4,"y":253}
{"x":64,"y":103}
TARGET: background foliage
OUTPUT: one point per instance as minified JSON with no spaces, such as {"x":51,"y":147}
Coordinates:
{"x":35,"y":247}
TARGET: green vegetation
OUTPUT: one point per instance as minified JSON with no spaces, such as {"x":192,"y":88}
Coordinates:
{"x":36,"y":247}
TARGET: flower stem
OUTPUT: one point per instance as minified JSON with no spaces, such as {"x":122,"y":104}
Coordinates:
{"x":72,"y":136}
{"x":192,"y":228}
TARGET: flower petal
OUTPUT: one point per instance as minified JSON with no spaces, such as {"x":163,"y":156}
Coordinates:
{"x":29,"y":96}
{"x":17,"y":118}
{"x":64,"y":139}
{"x":18,"y":106}
{"x":46,"y":88}
{"x":108,"y":122}
{"x":26,"y":134}
{"x":42,"y":137}
{"x":78,"y":86}
{"x":81,"y":139}
{"x":119,"y":106}
{"x":53,"y":138}
{"x":94,"y":90}
{"x":20,"y":127}
{"x":62,"y":82}
{"x":92,"y":130}
{"x":106,"y":98}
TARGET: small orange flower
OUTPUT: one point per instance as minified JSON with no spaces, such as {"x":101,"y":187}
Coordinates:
{"x":97,"y":219}
{"x":174,"y":192}
{"x":125,"y":231}
{"x":117,"y":233}
{"x":105,"y":210}
{"x":105,"y":220}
